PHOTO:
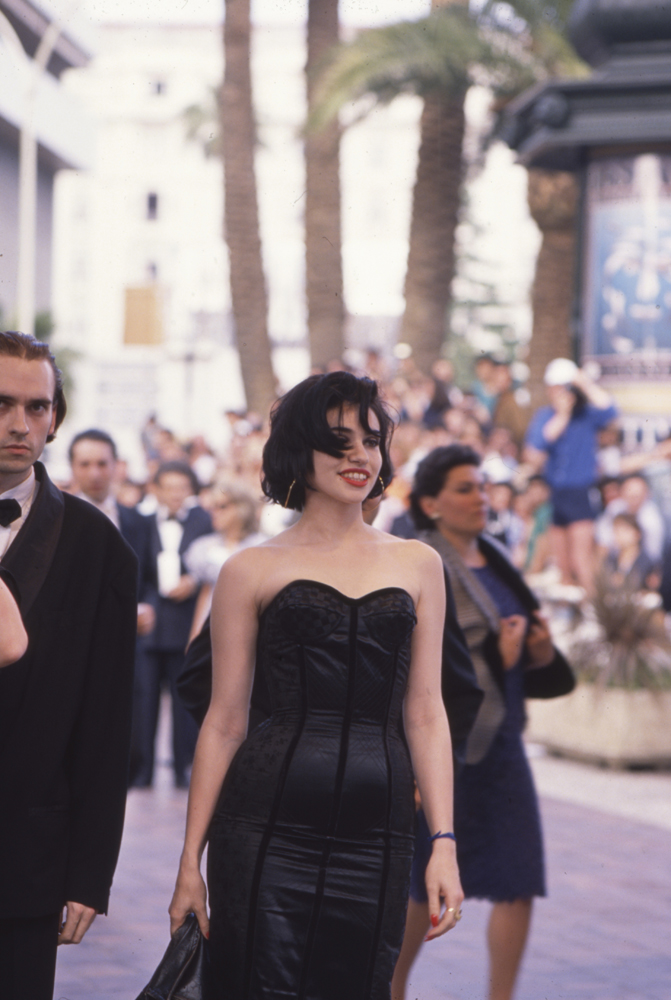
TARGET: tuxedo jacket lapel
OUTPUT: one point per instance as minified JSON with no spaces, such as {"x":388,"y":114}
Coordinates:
{"x":31,"y":554}
{"x":194,"y":526}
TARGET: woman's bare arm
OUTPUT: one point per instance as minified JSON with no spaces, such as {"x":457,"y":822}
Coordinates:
{"x":428,"y":735}
{"x":234,"y":626}
{"x":13,"y":638}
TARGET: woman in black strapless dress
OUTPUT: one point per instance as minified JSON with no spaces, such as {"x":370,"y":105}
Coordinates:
{"x":310,"y":818}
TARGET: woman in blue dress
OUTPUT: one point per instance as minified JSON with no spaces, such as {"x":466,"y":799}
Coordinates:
{"x":309,"y":818}
{"x":497,"y":822}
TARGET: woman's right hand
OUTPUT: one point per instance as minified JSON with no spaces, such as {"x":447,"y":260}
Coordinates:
{"x":511,"y":639}
{"x":190,"y":896}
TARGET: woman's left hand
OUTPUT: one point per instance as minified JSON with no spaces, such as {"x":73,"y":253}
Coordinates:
{"x":443,"y":887}
{"x":539,"y":642}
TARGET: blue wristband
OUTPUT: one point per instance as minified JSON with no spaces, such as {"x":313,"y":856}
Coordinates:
{"x":439,"y":836}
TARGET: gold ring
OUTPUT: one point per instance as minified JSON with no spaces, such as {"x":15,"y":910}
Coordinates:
{"x":457,"y":916}
{"x":450,"y":909}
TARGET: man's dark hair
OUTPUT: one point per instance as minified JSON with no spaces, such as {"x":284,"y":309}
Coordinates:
{"x":182,"y":468}
{"x":298,"y":428}
{"x":92,"y":435}
{"x":21,"y":345}
{"x":432,"y":473}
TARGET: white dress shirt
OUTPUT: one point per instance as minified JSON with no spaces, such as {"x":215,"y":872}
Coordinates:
{"x":24,"y":494}
{"x":169,"y":563}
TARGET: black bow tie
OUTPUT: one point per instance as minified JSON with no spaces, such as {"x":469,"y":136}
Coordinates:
{"x":9,"y":511}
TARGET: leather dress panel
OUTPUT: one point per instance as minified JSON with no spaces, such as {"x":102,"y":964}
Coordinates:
{"x":311,"y":842}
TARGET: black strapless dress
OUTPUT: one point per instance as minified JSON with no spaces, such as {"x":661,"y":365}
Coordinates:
{"x":312,"y":839}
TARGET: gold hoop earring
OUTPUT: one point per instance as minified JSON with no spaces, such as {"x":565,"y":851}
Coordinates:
{"x":286,"y":502}
{"x":381,"y":481}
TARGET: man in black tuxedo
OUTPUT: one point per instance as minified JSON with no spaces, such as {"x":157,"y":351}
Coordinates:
{"x":65,"y":705}
{"x":178,"y":521}
{"x":93,"y":461}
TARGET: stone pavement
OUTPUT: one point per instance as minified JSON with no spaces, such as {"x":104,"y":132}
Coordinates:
{"x":604,"y":932}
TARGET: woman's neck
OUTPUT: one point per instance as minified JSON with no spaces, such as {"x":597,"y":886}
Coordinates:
{"x":327,"y":522}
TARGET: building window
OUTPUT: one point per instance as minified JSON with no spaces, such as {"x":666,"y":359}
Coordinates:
{"x":152,"y":205}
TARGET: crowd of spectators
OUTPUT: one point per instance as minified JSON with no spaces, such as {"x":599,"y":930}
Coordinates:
{"x":625,"y":522}
{"x":568,"y":503}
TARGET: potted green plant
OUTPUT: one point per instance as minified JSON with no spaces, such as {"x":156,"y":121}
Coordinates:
{"x":620,"y":712}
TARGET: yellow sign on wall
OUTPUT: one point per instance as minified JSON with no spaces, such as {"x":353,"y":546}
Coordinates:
{"x":143,"y":321}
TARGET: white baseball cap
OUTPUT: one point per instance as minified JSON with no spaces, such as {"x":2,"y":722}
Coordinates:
{"x":561,"y":371}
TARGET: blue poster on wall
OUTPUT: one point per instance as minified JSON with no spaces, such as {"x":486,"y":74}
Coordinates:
{"x":627,"y":280}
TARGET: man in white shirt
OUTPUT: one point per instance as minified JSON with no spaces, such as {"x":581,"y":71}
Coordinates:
{"x":178,"y":521}
{"x":93,"y":461}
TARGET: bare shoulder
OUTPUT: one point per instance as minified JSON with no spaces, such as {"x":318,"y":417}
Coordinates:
{"x":256,"y":573}
{"x":248,"y":564}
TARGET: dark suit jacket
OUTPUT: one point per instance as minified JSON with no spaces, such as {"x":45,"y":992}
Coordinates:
{"x":461,"y":692}
{"x":136,"y":529}
{"x":65,"y":708}
{"x":174,"y":618}
{"x":540,"y":682}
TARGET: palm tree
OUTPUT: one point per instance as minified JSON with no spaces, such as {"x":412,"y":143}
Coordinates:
{"x":553,"y":202}
{"x":438,"y":58}
{"x":323,"y":260}
{"x":241,"y":213}
{"x":435,"y":214}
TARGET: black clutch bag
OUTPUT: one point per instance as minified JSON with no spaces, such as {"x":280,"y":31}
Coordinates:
{"x":182,"y":972}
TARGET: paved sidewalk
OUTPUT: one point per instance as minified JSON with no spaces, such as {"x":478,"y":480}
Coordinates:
{"x":602,"y":934}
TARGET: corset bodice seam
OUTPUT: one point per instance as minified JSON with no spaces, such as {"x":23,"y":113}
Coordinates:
{"x":334,"y":590}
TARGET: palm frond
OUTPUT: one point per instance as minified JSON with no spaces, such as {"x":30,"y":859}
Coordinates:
{"x":417,"y":57}
{"x":506,"y":46}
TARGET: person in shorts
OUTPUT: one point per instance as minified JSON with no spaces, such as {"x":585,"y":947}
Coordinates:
{"x":562,"y":441}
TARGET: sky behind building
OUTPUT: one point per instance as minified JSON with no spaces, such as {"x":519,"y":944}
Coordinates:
{"x":352,"y":12}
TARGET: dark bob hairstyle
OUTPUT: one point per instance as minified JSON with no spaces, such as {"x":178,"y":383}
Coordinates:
{"x":431,"y":474}
{"x":298,"y":427}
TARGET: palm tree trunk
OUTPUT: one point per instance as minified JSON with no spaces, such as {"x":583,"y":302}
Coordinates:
{"x":241,"y":213}
{"x":435,"y":212}
{"x":553,"y":201}
{"x":323,"y":262}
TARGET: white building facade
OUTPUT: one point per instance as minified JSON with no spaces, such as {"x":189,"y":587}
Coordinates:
{"x":139,"y":246}
{"x":139,"y":249}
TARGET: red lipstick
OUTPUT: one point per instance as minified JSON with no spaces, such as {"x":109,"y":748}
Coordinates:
{"x":348,"y":474}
